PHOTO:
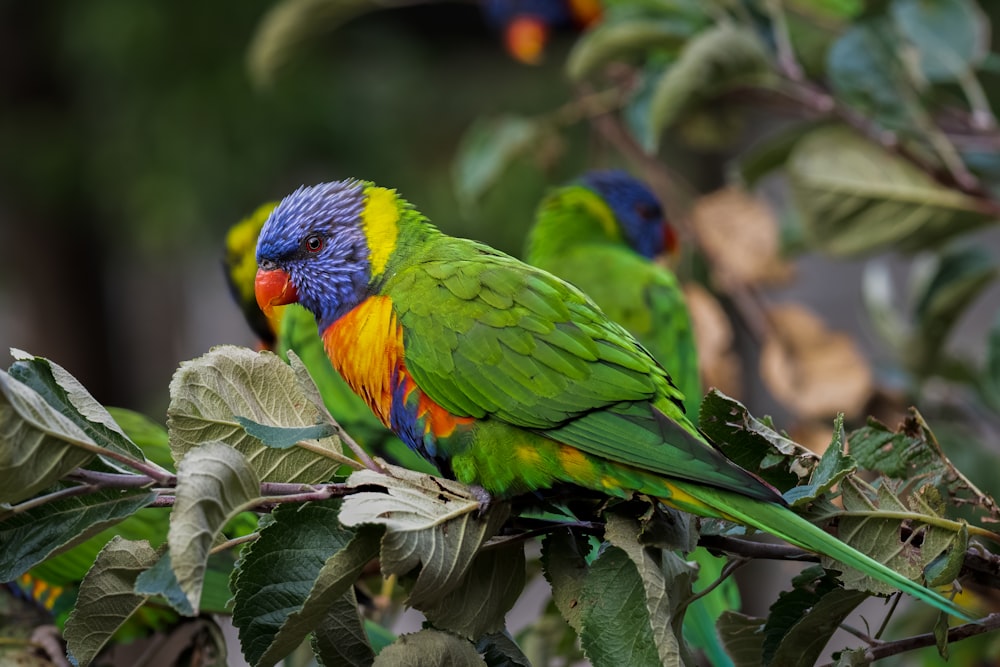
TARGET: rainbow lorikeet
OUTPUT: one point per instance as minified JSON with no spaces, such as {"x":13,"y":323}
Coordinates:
{"x":527,"y":24}
{"x":601,"y":234}
{"x":505,"y":376}
{"x":292,"y":327}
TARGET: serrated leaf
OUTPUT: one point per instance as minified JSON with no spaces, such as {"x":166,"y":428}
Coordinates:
{"x":879,"y":536}
{"x":856,"y":198}
{"x":807,"y":618}
{"x":717,"y":57}
{"x":340,"y":637}
{"x":665,"y":583}
{"x":429,"y":648}
{"x":478,"y":604}
{"x":214,"y":484}
{"x":743,"y":637}
{"x":303,"y":561}
{"x":30,"y":537}
{"x":160,"y":579}
{"x":951,"y":36}
{"x":65,"y":393}
{"x":615,"y":622}
{"x":899,"y":455}
{"x":289,"y":23}
{"x":208,"y":393}
{"x":429,"y":521}
{"x":487,"y":148}
{"x":564,"y":561}
{"x":282,"y":437}
{"x":616,"y":39}
{"x":753,"y":444}
{"x":833,"y":466}
{"x":38,"y":444}
{"x":106,"y":598}
{"x":500,"y":650}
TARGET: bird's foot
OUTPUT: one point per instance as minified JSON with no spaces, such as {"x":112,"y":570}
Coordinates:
{"x":483,"y":496}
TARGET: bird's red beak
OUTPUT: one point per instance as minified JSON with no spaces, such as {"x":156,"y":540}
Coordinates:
{"x":670,"y":241}
{"x":274,"y":288}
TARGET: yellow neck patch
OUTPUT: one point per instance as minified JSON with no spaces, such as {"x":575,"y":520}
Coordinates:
{"x":602,"y":213}
{"x":379,"y":221}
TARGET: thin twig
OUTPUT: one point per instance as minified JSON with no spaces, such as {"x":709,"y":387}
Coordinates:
{"x":235,"y":542}
{"x":957,"y":633}
{"x":68,"y":492}
{"x":860,"y":634}
{"x":112,"y":480}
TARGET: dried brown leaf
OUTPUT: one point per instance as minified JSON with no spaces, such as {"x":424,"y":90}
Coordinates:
{"x":718,"y":361}
{"x":812,"y":370}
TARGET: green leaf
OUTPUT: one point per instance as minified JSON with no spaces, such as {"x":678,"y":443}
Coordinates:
{"x":960,"y":276}
{"x":106,"y":599}
{"x":500,"y":650}
{"x":564,"y":561}
{"x":832,"y":467}
{"x":151,"y":437}
{"x":478,"y":604}
{"x":991,"y":369}
{"x":856,"y":198}
{"x":753,"y":444}
{"x":720,"y":56}
{"x":290,"y":23}
{"x":207,"y":394}
{"x":487,"y":148}
{"x":65,"y":393}
{"x":865,"y":71}
{"x":214,"y":484}
{"x":743,"y":637}
{"x":951,"y":36}
{"x":282,"y":437}
{"x":901,"y":455}
{"x":340,"y":637}
{"x":877,"y":534}
{"x":38,"y":444}
{"x":429,"y":648}
{"x":160,"y":580}
{"x":303,"y":561}
{"x":802,"y":621}
{"x":770,"y":153}
{"x":615,"y":621}
{"x":429,"y":521}
{"x":39,"y":533}
{"x":613,"y":40}
{"x":666,"y":581}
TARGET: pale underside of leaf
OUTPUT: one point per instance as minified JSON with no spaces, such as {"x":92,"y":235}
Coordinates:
{"x":208,"y":393}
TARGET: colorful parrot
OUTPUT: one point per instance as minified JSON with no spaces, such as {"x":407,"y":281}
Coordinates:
{"x":601,"y":234}
{"x":505,"y":376}
{"x":526,"y":24}
{"x":293,"y":328}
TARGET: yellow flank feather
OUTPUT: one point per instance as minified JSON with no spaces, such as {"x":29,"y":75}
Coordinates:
{"x":379,"y":221}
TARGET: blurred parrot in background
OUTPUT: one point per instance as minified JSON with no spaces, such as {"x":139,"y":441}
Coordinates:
{"x":292,"y":327}
{"x":506,"y":377}
{"x":601,"y":234}
{"x":527,"y":24}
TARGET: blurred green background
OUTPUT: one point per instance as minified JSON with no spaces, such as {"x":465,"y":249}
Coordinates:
{"x":132,"y":138}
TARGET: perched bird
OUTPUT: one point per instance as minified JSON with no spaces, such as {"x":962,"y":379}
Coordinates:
{"x":505,"y":376}
{"x":527,"y":24}
{"x":601,"y":234}
{"x":292,"y":327}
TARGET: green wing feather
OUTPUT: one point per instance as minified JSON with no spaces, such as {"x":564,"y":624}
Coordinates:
{"x":550,"y":361}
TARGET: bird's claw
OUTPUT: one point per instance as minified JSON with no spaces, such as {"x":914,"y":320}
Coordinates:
{"x":483,"y":496}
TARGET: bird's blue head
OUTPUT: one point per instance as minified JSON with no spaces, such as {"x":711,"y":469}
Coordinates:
{"x":313,"y":250}
{"x":636,"y":209}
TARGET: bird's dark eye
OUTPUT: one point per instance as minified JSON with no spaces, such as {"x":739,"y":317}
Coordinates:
{"x":314,"y":243}
{"x":647,"y":212}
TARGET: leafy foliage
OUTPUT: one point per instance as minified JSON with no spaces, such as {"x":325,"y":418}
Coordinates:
{"x":891,"y":149}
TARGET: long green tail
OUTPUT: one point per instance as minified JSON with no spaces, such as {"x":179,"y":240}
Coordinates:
{"x":789,"y":526}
